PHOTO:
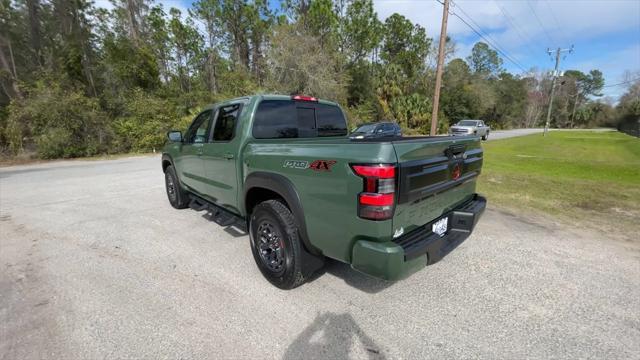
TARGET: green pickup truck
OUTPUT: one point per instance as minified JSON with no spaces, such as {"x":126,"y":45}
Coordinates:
{"x":285,"y":166}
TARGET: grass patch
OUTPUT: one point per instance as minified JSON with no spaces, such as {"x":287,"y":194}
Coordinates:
{"x":590,"y":179}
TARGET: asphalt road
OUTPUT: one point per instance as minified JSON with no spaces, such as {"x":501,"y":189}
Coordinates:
{"x":95,"y":264}
{"x":503,"y":134}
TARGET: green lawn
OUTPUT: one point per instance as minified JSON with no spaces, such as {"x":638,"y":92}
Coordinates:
{"x":590,"y":179}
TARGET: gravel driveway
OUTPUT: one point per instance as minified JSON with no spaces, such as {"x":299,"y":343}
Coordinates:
{"x":96,"y":264}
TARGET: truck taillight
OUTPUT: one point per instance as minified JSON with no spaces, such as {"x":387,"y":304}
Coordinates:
{"x":377,"y":199}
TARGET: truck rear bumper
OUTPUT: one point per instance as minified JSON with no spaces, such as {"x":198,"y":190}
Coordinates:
{"x":407,"y":254}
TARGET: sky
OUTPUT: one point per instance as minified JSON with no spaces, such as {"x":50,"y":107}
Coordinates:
{"x":605,"y":34}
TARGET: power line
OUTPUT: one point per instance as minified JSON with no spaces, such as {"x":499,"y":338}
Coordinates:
{"x":482,"y":36}
{"x":553,"y":14}
{"x":622,"y":83}
{"x":540,"y":22}
{"x":521,"y":33}
{"x":495,"y":43}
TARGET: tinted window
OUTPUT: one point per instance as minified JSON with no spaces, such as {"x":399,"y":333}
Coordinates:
{"x":226,"y":122}
{"x":330,"y":121}
{"x":275,"y":119}
{"x":197,"y":132}
{"x":306,"y":122}
{"x":292,"y":119}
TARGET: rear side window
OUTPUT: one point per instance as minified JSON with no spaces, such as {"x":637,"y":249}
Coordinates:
{"x":293,"y":119}
{"x":330,"y":121}
{"x":226,"y":122}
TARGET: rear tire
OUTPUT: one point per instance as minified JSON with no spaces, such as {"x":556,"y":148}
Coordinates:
{"x":276,"y":245}
{"x":178,"y":198}
{"x":486,"y":136}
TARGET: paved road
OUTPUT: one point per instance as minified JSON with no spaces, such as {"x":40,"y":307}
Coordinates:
{"x":96,"y":264}
{"x":503,"y":134}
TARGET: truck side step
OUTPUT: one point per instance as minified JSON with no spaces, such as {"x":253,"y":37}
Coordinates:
{"x":215,"y":213}
{"x":197,"y":205}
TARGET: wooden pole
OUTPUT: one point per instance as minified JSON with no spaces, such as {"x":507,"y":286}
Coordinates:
{"x":441,"y":45}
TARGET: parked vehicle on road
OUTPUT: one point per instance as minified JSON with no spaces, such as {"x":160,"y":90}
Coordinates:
{"x":285,"y":166}
{"x":470,"y":127}
{"x":376,"y":130}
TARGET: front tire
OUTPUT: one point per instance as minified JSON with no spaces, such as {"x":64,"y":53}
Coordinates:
{"x":178,"y":198}
{"x":275,"y":244}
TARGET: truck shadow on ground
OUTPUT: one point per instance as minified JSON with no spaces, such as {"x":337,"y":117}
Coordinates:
{"x":333,"y":336}
{"x":352,"y":277}
{"x":237,"y":228}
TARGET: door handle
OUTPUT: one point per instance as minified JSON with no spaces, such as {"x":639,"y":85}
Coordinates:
{"x":227,"y":156}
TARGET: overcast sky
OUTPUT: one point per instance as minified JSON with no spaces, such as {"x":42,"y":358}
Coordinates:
{"x":605,"y":33}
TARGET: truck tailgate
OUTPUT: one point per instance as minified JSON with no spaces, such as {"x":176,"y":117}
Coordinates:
{"x":434,"y":176}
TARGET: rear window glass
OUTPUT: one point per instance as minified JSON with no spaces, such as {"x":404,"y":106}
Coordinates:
{"x":295,"y":119}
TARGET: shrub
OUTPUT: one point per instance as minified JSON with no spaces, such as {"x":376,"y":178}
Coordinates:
{"x":145,"y":122}
{"x":57,"y":123}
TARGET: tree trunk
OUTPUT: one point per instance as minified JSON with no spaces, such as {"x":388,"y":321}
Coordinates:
{"x":211,"y":61}
{"x":132,"y":14}
{"x":5,"y":66}
{"x":33,"y":7}
{"x":573,"y":112}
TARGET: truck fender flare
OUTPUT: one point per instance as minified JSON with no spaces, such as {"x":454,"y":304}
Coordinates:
{"x":285,"y":188}
{"x":166,"y":158}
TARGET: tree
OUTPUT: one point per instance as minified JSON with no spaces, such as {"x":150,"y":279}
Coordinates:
{"x":322,"y":22}
{"x":405,"y":44}
{"x":233,"y":15}
{"x":628,"y":109}
{"x":582,"y":86}
{"x":260,"y":21}
{"x":484,"y":61}
{"x":132,"y":66}
{"x":511,"y":101}
{"x":208,"y":11}
{"x":187,"y":43}
{"x":362,"y":31}
{"x":301,"y":66}
{"x":159,"y":40}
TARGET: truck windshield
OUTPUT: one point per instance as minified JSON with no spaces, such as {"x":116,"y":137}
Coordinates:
{"x":468,"y":123}
{"x":365,"y":129}
{"x":296,"y":119}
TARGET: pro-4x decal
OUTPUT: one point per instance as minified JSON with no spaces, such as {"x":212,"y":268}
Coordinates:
{"x":296,"y":164}
{"x":322,"y":165}
{"x":316,"y":165}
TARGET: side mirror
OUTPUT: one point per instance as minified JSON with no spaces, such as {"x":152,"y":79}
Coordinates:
{"x":174,"y":136}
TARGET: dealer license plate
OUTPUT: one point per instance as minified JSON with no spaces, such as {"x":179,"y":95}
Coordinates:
{"x":440,"y":226}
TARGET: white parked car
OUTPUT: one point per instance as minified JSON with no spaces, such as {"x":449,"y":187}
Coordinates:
{"x":470,"y":127}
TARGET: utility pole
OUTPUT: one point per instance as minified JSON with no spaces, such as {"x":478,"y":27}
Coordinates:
{"x":553,"y":85}
{"x":436,"y":93}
